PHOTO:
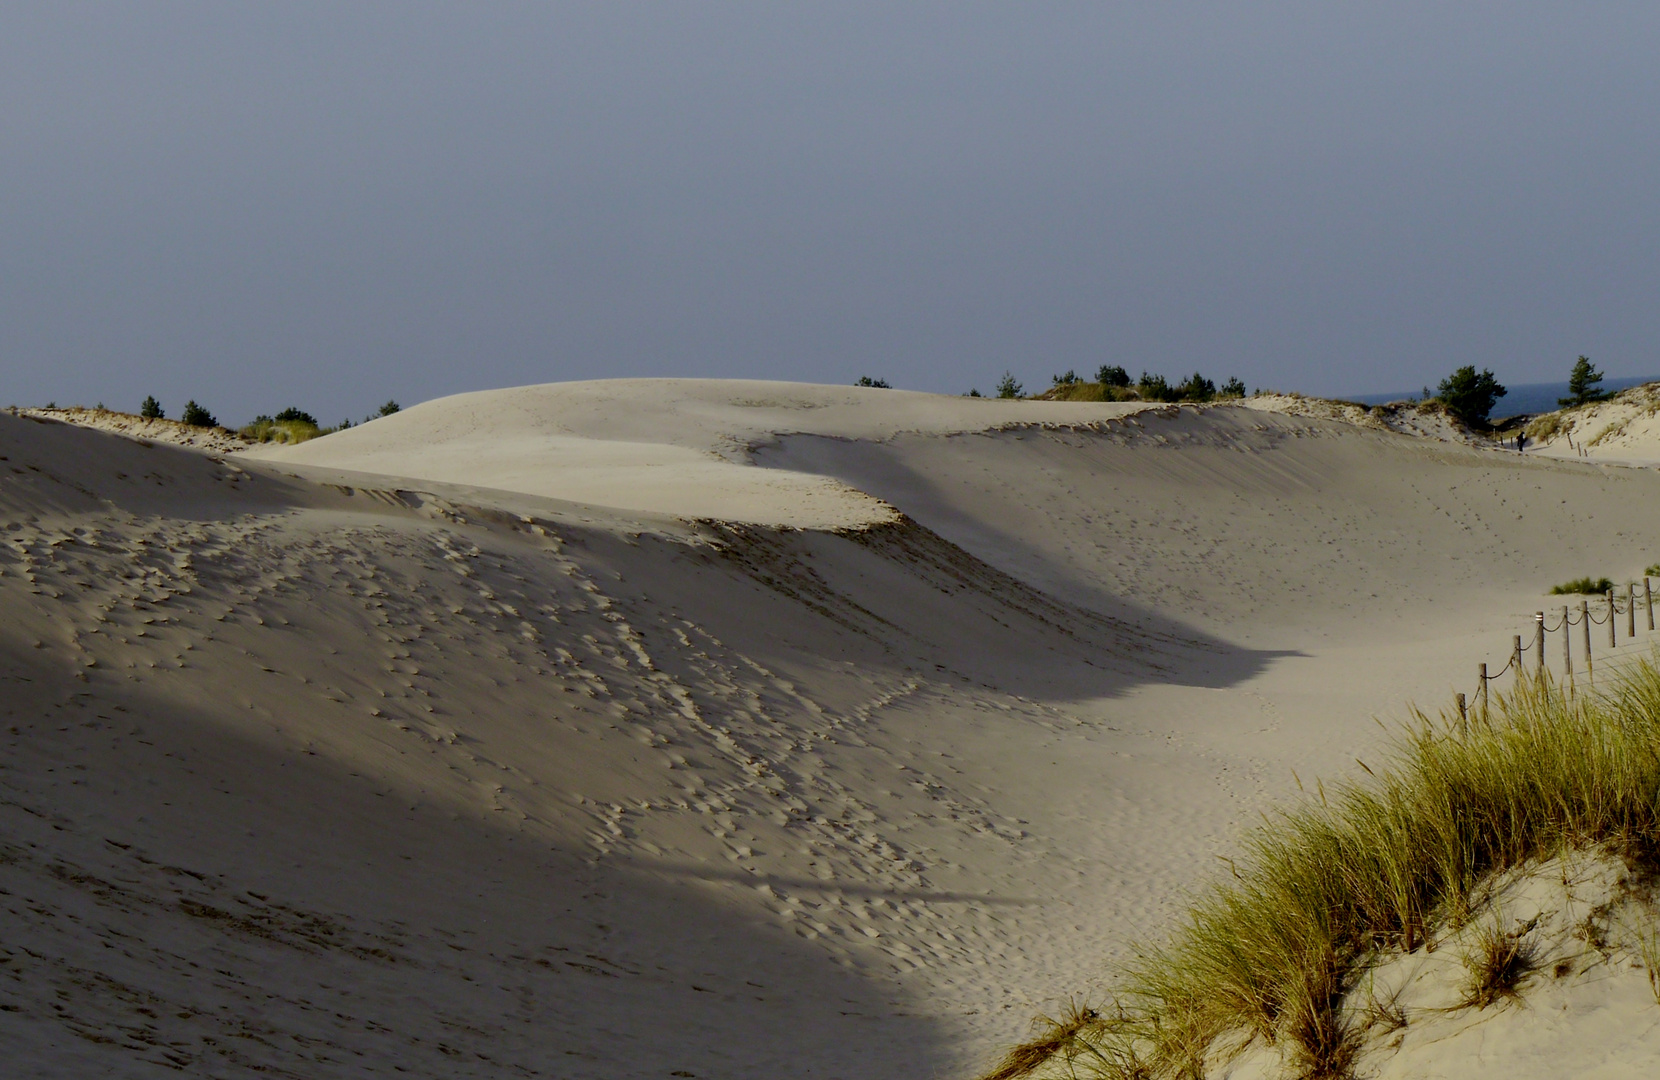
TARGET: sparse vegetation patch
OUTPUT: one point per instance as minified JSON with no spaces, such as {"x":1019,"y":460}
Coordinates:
{"x":1269,"y":953}
{"x":1582,"y":586}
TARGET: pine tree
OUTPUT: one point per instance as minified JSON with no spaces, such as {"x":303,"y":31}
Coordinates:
{"x":1008,"y":387}
{"x":196,"y":416}
{"x":1584,"y":385}
{"x":1470,"y":396}
{"x":151,"y":409}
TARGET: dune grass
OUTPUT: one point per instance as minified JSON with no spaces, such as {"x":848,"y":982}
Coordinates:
{"x":1332,"y":884}
{"x":1585,"y":585}
{"x":264,"y":430}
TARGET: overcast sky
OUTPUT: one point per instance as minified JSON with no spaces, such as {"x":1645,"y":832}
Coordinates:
{"x":327,"y":205}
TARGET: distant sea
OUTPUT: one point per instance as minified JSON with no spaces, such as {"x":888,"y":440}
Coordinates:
{"x":1525,"y":398}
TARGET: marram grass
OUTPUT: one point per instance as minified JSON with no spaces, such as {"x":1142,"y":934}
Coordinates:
{"x":1325,"y":887}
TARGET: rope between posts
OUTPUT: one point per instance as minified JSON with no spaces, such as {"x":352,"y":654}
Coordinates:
{"x":1612,"y":605}
{"x":1508,"y":664}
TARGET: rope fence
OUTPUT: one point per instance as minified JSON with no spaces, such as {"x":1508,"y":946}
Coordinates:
{"x":1609,"y":608}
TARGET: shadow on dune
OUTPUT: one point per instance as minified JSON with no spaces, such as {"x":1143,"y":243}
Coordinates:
{"x":189,"y":894}
{"x":901,"y":596}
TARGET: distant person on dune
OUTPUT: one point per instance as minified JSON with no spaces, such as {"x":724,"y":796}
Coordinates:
{"x":1521,"y":442}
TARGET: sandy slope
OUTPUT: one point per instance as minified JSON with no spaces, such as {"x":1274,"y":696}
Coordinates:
{"x":321,"y":774}
{"x":1623,"y":430}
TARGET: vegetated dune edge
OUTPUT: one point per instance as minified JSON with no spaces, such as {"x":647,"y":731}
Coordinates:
{"x":465,"y":779}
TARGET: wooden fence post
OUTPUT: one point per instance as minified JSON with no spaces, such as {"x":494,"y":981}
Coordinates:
{"x":1648,"y":598}
{"x":1539,"y":637}
{"x":1611,"y":642}
{"x":1631,"y":609}
{"x":1516,"y":660}
{"x":1567,"y":647}
{"x":1585,"y":626}
{"x":1463,"y":717}
{"x":1482,"y":690}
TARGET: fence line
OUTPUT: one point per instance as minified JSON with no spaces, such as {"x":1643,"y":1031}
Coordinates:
{"x":1611,"y":607}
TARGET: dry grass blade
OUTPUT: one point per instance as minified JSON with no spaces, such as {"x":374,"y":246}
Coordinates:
{"x":1054,"y":1037}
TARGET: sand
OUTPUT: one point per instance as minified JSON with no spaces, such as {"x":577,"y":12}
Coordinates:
{"x":655,"y":728}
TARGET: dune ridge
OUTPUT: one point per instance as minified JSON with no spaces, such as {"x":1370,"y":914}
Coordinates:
{"x":330,"y":768}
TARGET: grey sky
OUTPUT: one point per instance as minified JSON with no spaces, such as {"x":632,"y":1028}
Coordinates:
{"x":330,"y":204}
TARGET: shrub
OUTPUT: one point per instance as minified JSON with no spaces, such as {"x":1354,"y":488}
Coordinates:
{"x":389,"y":408}
{"x":1326,"y":887}
{"x":196,"y":416}
{"x":1584,"y":585}
{"x":1112,"y":375}
{"x":1064,"y":380}
{"x":1008,"y":387}
{"x":1233,"y":388}
{"x":1470,"y":396}
{"x":151,"y":409}
{"x":866,"y":380}
{"x":297,"y":416}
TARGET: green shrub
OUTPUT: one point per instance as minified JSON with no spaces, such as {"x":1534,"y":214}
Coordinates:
{"x":1112,"y":375}
{"x":864,"y":380}
{"x":389,"y":408}
{"x":151,"y":409}
{"x":196,"y":416}
{"x":1329,"y":887}
{"x":1585,"y":585}
{"x":1008,"y":387}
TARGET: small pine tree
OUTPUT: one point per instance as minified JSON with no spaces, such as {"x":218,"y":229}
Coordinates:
{"x":389,"y":408}
{"x":296,"y":416}
{"x":1584,"y":385}
{"x":1155,"y":388}
{"x":1112,"y":375}
{"x":1196,"y":388}
{"x":196,"y":416}
{"x":974,"y":392}
{"x":866,"y":380}
{"x":151,"y":409}
{"x":1068,"y":379}
{"x":1234,"y":387}
{"x":1008,"y":386}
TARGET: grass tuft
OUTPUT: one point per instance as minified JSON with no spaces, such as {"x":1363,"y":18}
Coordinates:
{"x":1269,"y":953}
{"x":1496,"y":964}
{"x":1584,"y":585}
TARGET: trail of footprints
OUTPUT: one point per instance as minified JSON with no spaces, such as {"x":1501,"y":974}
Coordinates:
{"x":742,"y":749}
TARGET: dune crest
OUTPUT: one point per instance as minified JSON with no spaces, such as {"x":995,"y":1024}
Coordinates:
{"x":323,"y":766}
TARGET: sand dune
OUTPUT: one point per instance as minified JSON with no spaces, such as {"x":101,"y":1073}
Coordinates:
{"x":696,"y":728}
{"x":673,"y":446}
{"x":1624,"y":430}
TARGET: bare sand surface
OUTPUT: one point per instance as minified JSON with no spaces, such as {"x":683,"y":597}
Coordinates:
{"x":883,"y":722}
